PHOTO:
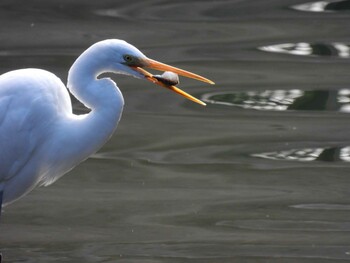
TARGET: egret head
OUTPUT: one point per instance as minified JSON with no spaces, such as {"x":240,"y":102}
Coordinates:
{"x":127,"y":59}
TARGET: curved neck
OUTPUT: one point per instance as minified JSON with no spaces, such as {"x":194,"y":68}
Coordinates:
{"x":85,"y":134}
{"x":83,"y":82}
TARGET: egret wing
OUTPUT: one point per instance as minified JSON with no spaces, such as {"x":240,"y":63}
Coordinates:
{"x":28,"y":107}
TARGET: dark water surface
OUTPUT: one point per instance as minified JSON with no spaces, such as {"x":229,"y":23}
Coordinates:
{"x":261,"y":174}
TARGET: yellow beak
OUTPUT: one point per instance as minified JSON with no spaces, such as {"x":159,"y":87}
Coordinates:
{"x":150,"y":63}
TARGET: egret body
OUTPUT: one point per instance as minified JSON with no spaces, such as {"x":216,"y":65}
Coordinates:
{"x":41,"y":138}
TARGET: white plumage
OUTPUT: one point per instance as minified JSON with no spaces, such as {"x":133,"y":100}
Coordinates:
{"x":40,"y":137}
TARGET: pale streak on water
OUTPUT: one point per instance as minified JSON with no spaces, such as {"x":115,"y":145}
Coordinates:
{"x":251,"y":182}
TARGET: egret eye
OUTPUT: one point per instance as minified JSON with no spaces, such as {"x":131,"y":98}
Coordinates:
{"x":128,"y":58}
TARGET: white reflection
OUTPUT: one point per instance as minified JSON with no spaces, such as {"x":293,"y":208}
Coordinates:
{"x":343,"y":50}
{"x":332,"y":154}
{"x":344,"y":100}
{"x":323,"y":6}
{"x":310,"y":49}
{"x":301,"y":49}
{"x":304,"y":155}
{"x":312,"y":7}
{"x":277,"y":100}
{"x":282,"y":100}
{"x":345,"y":154}
{"x":109,"y":13}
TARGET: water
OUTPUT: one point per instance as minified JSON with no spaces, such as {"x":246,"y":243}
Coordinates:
{"x":259,"y":175}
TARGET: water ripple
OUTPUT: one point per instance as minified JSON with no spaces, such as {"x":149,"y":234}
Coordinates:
{"x":329,"y":154}
{"x":322,"y":206}
{"x":289,"y":225}
{"x":335,"y":49}
{"x":171,"y":11}
{"x":39,"y":52}
{"x":217,"y":251}
{"x":323,"y":6}
{"x":283,"y":100}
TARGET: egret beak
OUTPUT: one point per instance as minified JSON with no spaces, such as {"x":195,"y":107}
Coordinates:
{"x":152,"y":64}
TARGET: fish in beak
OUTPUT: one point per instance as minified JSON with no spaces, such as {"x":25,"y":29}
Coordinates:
{"x":166,"y":82}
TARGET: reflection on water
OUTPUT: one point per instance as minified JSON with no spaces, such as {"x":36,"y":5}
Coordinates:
{"x":338,"y":49}
{"x":331,"y":154}
{"x":282,"y":100}
{"x":323,"y":6}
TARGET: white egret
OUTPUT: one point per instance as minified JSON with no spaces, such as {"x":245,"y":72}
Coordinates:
{"x":40,"y":137}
